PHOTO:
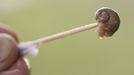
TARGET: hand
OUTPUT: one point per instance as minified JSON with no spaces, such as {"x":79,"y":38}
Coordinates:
{"x":19,"y":68}
{"x":11,"y":61}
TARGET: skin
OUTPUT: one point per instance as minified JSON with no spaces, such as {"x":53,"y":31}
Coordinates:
{"x":19,"y":68}
{"x":18,"y":64}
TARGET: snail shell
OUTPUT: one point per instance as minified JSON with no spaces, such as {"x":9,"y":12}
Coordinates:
{"x":108,"y":22}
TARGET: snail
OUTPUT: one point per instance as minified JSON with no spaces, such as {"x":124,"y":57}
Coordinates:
{"x":108,"y":21}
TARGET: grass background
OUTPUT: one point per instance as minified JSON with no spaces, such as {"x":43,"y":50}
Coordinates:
{"x":80,"y":54}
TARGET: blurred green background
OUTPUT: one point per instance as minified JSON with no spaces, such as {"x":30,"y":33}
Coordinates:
{"x":80,"y":54}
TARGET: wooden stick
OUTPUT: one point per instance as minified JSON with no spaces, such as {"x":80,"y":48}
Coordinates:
{"x":108,"y":23}
{"x":64,"y":34}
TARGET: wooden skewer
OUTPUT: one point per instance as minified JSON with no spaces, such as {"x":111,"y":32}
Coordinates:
{"x":64,"y":34}
{"x":107,"y":24}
